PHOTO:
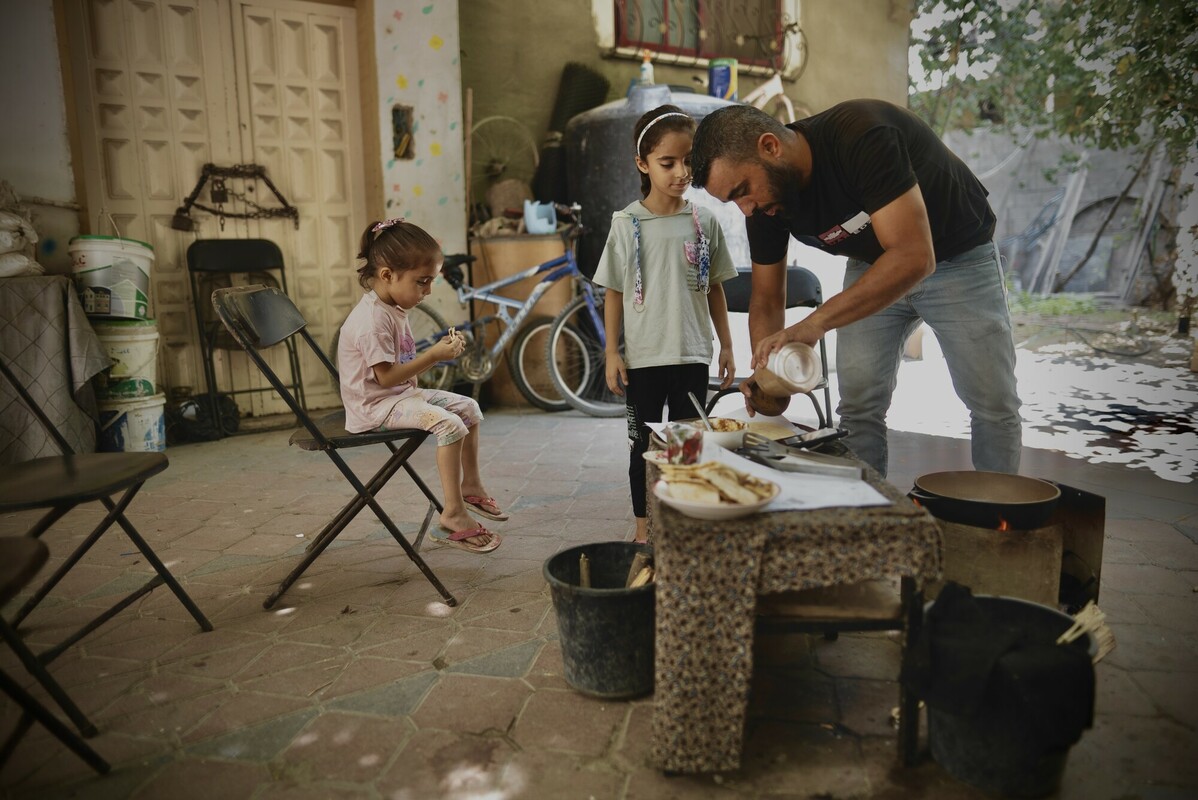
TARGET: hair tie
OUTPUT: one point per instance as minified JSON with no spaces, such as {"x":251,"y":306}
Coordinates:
{"x":379,"y":227}
{"x":653,"y":122}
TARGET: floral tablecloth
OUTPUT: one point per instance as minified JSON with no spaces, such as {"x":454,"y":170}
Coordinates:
{"x":708,"y":577}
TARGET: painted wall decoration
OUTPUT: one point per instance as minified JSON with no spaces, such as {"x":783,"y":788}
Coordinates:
{"x":420,"y":90}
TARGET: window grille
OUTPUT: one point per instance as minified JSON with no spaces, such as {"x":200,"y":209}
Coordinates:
{"x":751,"y":31}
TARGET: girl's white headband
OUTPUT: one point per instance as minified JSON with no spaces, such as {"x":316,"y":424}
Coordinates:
{"x":653,"y":122}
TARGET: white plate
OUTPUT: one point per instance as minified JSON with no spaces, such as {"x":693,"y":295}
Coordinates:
{"x":655,"y":456}
{"x":711,"y":510}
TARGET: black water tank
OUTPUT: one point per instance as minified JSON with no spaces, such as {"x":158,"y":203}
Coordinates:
{"x":600,"y":169}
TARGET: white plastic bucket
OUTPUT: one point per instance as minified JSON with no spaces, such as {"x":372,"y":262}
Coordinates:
{"x":132,"y":426}
{"x":112,"y":275}
{"x":132,"y":344}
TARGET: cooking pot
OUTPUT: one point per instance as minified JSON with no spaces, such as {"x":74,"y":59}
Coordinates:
{"x":987,"y":499}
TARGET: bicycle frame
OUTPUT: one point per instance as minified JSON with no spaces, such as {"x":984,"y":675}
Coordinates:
{"x":771,"y":89}
{"x":552,"y":271}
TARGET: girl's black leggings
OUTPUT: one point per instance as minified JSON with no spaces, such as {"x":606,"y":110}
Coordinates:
{"x":648,"y":392}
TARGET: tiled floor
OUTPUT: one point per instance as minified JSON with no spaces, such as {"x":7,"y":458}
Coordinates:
{"x":361,"y":683}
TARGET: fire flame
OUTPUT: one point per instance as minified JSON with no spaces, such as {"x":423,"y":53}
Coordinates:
{"x":1003,"y":525}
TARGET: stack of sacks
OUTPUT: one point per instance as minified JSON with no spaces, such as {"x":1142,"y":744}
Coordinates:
{"x":17,"y":236}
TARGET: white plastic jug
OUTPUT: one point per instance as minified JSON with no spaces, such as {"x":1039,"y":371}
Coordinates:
{"x":792,"y":369}
{"x":539,"y":217}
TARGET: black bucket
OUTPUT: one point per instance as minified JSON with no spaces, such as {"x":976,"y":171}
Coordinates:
{"x":606,"y":630}
{"x":991,"y":750}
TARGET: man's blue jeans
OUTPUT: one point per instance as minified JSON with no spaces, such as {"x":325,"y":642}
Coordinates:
{"x":965,"y":303}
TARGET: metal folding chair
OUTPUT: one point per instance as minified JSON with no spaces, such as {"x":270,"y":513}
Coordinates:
{"x":866,"y":606}
{"x":212,"y":263}
{"x":20,"y":559}
{"x":803,"y":290}
{"x":59,"y":484}
{"x":259,"y":317}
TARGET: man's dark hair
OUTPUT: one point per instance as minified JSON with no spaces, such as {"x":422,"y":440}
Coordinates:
{"x":731,"y":132}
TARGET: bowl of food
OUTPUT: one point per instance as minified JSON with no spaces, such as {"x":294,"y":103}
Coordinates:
{"x":727,"y":433}
{"x":712,"y":490}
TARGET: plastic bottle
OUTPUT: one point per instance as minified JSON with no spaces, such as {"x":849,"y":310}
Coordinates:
{"x":646,"y":69}
{"x":793,"y":369}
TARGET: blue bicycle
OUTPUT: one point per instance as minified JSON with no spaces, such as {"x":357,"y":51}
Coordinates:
{"x":554,"y":362}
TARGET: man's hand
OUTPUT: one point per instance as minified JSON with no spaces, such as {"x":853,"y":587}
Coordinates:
{"x":805,"y":331}
{"x":746,"y":388}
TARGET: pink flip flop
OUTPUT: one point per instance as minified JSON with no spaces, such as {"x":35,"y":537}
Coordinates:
{"x":485,"y":506}
{"x":458,"y":539}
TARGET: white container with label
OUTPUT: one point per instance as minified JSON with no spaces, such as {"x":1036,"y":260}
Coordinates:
{"x":112,"y":275}
{"x":793,"y":369}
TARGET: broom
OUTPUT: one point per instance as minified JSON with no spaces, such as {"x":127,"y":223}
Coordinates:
{"x":1092,"y":620}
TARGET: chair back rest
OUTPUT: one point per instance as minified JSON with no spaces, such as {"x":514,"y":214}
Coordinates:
{"x":234,"y":255}
{"x":36,"y":410}
{"x":257,"y":316}
{"x":802,"y":289}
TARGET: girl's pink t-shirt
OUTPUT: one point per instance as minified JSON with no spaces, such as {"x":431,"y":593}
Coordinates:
{"x":374,"y":333}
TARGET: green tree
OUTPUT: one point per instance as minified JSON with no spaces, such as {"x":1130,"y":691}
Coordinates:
{"x":1108,"y":74}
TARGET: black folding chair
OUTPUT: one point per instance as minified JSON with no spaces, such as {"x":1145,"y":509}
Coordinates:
{"x":59,"y":484}
{"x":803,"y":290}
{"x":212,"y":264}
{"x":259,"y":317}
{"x":20,"y":559}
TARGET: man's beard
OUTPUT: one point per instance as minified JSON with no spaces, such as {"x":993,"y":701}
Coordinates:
{"x":784,"y":181}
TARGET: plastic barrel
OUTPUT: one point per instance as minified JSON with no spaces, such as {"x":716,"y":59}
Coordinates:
{"x":606,"y":630}
{"x":991,"y":750}
{"x":132,"y":426}
{"x":132,"y":344}
{"x":112,"y":275}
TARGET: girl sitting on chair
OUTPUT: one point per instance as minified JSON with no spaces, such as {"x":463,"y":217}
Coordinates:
{"x":379,"y":366}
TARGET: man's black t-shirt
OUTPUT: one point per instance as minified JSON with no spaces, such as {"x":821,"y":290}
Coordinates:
{"x":866,"y":153}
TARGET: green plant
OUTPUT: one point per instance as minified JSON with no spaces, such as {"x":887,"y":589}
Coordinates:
{"x":1055,"y":305}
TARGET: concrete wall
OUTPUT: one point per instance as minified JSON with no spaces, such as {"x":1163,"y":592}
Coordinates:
{"x":1014,"y":172}
{"x":856,"y":48}
{"x":513,"y":52}
{"x":417,"y":51}
{"x":35,"y":155}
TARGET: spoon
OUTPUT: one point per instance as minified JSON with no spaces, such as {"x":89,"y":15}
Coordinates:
{"x":699,"y":408}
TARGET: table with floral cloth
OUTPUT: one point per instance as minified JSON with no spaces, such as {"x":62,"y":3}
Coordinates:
{"x":708,"y":577}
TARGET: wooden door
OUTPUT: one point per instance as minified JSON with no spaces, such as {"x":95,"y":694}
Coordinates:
{"x":161,"y":88}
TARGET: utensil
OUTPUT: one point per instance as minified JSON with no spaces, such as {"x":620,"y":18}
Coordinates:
{"x":987,"y":499}
{"x":790,"y":459}
{"x":699,"y":408}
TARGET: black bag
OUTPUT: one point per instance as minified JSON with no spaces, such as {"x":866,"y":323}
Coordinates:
{"x":192,"y":421}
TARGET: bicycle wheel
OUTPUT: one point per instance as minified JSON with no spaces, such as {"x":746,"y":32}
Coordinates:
{"x":530,"y":370}
{"x":576,"y":361}
{"x":427,"y":329}
{"x":500,"y":148}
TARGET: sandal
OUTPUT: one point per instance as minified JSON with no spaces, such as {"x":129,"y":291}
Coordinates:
{"x":486,"y":506}
{"x":458,"y":539}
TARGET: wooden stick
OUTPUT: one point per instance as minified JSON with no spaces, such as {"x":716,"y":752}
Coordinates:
{"x":468,"y":124}
{"x":584,"y":571}
{"x":643,"y":577}
{"x":638,"y":563}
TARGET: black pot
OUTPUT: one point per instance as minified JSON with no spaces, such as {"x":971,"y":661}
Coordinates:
{"x":987,"y":499}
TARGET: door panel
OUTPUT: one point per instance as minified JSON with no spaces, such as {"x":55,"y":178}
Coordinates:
{"x":298,"y":65}
{"x":162,"y":88}
{"x":148,"y":78}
